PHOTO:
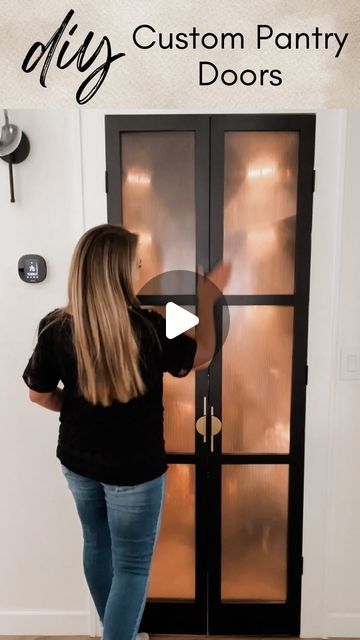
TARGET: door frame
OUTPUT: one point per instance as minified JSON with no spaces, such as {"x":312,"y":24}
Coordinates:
{"x":302,"y":284}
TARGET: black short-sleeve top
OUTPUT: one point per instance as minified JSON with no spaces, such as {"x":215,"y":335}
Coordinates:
{"x":124,"y":443}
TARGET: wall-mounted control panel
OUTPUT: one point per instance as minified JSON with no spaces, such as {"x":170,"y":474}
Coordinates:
{"x":32,"y":268}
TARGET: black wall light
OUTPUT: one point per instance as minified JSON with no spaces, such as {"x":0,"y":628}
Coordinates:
{"x":14,"y":148}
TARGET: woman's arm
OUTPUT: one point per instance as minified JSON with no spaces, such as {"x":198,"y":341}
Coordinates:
{"x":209,"y":290}
{"x":52,"y":400}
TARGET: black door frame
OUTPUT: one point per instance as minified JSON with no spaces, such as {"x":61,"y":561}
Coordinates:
{"x":167,"y":616}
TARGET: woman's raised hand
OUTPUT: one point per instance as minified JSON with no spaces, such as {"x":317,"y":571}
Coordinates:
{"x":219,"y":276}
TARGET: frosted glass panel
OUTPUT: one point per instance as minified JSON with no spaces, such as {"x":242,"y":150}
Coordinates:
{"x":260,"y":193}
{"x":158,"y":200}
{"x":254,"y":532}
{"x":173,"y":564}
{"x":256,"y":381}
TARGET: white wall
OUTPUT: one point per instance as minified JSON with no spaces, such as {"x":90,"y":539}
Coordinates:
{"x":343,"y":522}
{"x":42,"y":588}
{"x":331,"y":581}
{"x":41,"y":585}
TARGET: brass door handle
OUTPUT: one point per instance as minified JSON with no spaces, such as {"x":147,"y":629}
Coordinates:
{"x":201,"y":422}
{"x":215,"y":427}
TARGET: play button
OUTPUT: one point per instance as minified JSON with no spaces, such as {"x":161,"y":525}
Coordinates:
{"x":178,"y":320}
{"x":182,"y":286}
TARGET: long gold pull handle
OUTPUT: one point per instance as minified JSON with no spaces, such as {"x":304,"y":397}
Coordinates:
{"x":201,"y":422}
{"x":215,"y":428}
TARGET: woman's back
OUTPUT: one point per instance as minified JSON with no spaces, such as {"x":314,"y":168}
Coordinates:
{"x":122,"y":443}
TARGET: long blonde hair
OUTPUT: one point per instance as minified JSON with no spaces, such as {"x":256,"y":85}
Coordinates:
{"x":100,"y":292}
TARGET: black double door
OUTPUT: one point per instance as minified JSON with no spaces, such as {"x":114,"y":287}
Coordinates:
{"x":198,"y":189}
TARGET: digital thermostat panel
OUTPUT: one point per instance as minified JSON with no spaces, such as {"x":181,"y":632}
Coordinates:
{"x":32,"y":268}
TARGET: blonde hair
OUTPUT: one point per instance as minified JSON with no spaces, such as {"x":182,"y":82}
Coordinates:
{"x":100,"y":292}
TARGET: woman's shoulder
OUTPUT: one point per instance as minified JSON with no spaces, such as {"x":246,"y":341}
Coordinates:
{"x":54,"y":320}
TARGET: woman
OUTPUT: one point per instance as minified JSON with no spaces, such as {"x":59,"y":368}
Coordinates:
{"x":110,"y":355}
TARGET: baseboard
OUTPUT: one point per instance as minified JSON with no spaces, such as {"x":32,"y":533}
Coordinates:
{"x":51,"y":622}
{"x":343,"y":625}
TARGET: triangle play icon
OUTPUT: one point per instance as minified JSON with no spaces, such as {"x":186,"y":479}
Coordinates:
{"x":178,"y":320}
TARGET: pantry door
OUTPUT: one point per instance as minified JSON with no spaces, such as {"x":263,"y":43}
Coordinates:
{"x":260,"y":219}
{"x":196,"y":189}
{"x":158,"y":186}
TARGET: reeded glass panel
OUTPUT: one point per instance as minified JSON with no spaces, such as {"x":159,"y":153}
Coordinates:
{"x":173,"y":564}
{"x":256,"y":380}
{"x":260,"y":193}
{"x":254,"y":532}
{"x":158,"y":200}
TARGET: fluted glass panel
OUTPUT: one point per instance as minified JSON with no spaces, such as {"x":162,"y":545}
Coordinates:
{"x":256,"y":380}
{"x":158,"y":203}
{"x":260,"y":201}
{"x":254,"y":532}
{"x":173,"y":564}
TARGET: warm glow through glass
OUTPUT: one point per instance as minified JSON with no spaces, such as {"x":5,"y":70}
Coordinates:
{"x":256,"y":380}
{"x":141,"y":179}
{"x":254,"y":532}
{"x":260,"y":202}
{"x":173,"y":564}
{"x":158,"y":203}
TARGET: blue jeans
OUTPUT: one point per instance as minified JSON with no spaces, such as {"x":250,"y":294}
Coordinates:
{"x":120,"y":526}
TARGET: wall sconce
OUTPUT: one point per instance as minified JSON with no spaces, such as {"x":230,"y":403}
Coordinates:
{"x":14,"y":148}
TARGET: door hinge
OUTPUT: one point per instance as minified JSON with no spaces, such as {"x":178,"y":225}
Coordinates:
{"x":106,"y":181}
{"x":306,"y":374}
{"x":313,"y":179}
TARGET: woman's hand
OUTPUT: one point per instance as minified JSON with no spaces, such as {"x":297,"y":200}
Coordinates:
{"x":220,"y":275}
{"x":214,"y":283}
{"x":209,"y":289}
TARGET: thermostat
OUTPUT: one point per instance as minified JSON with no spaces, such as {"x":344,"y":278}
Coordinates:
{"x":32,"y":268}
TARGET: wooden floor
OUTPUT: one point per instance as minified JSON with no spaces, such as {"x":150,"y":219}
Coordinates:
{"x":164,"y":637}
{"x":152,"y":637}
{"x":159,"y":637}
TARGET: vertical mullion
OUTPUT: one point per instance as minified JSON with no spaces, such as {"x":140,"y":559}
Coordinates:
{"x":215,"y":381}
{"x":113,"y":167}
{"x":201,"y":377}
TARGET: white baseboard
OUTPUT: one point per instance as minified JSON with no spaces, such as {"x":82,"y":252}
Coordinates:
{"x":96,"y":628}
{"x":51,"y":622}
{"x":343,"y":625}
{"x":76,"y":623}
